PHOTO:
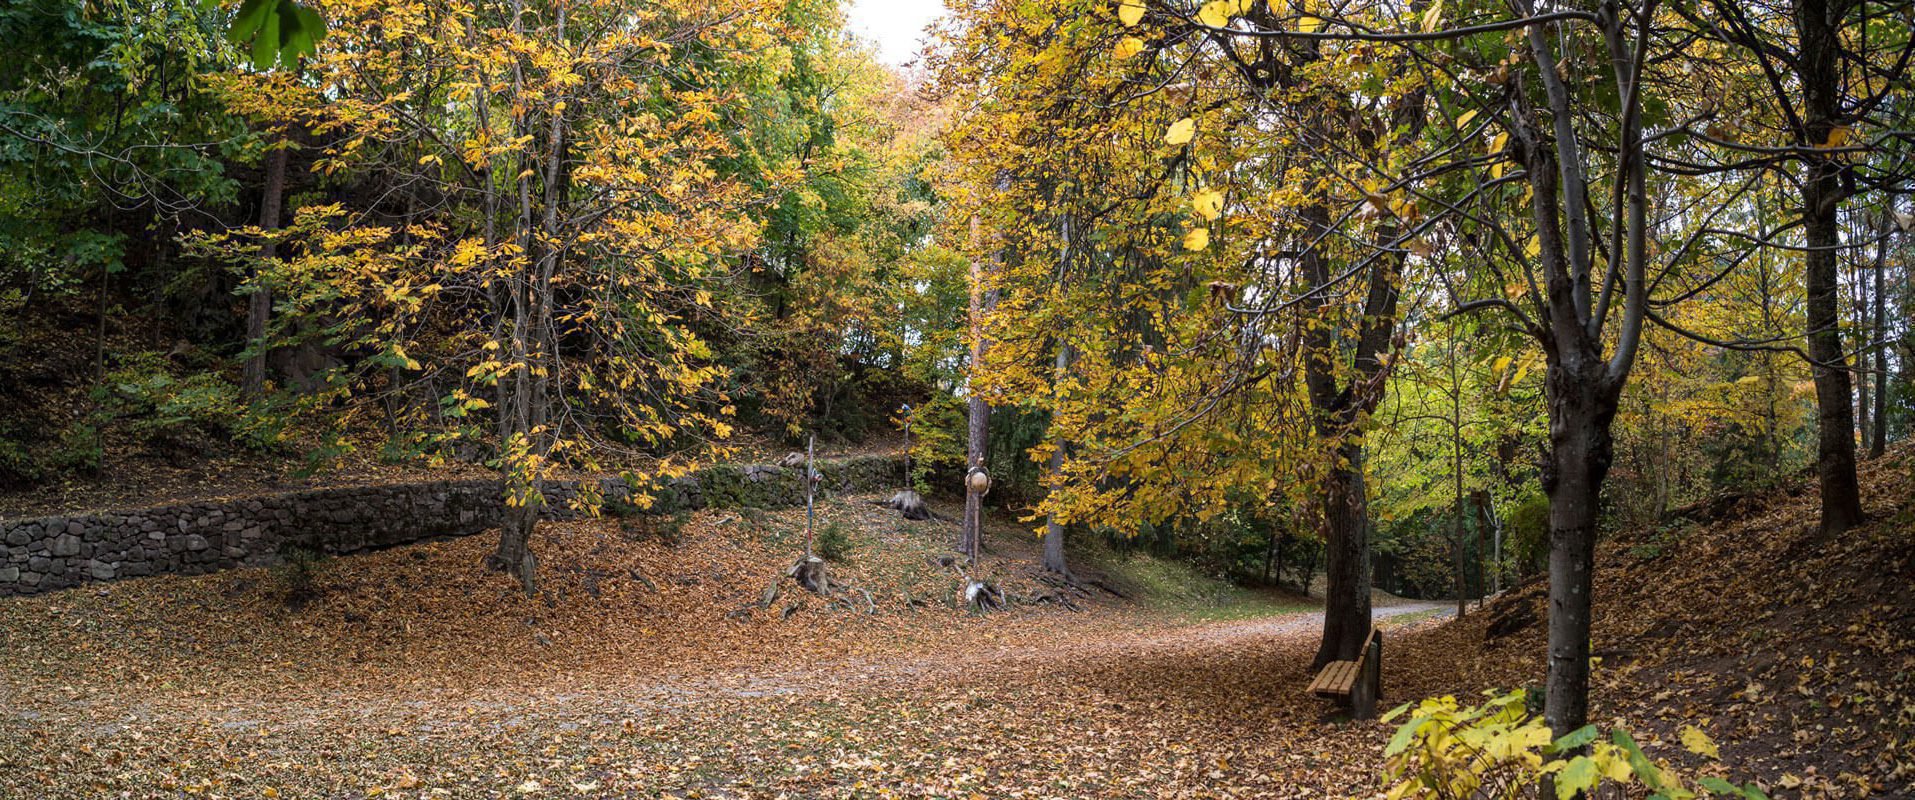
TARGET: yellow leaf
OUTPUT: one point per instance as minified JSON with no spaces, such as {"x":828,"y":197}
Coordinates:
{"x":1463,"y":121}
{"x":1208,"y":203}
{"x":1196,"y":239}
{"x":1434,"y":16}
{"x":1127,"y":47}
{"x":1216,"y":13}
{"x":1501,"y":363}
{"x":1309,"y":24}
{"x":1839,"y":136}
{"x":1181,"y":132}
{"x":1534,"y":248}
{"x":1130,"y":12}
{"x":1498,"y":142}
{"x":1698,"y":742}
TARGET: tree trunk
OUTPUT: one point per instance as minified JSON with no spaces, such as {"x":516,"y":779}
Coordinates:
{"x":1339,"y":402}
{"x":1270,"y":560}
{"x":259,"y":305}
{"x":514,"y":555}
{"x":1879,"y":443}
{"x":1581,"y":450}
{"x":1053,"y":532}
{"x":1821,"y":204}
{"x":1346,"y":569}
{"x":1862,"y":375}
{"x":1488,"y":540}
{"x":1456,"y":476}
{"x":971,"y":536}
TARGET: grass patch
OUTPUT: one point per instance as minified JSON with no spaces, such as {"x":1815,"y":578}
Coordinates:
{"x":1175,"y":587}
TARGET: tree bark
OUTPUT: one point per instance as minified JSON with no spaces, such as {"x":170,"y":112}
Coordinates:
{"x":1879,"y":443}
{"x":259,"y":305}
{"x":1456,"y":476}
{"x":1822,"y":195}
{"x":1489,"y":539}
{"x":514,"y":554}
{"x":1054,"y":560}
{"x":1338,"y":402}
{"x":1862,"y":376}
{"x":1346,"y":568}
{"x":1581,"y":450}
{"x":978,"y":424}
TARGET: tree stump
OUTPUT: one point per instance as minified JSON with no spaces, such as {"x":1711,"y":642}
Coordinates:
{"x":983,"y":596}
{"x":909,"y":504}
{"x":809,"y":572}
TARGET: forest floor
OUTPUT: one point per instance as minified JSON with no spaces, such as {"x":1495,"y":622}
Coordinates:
{"x":651,"y":665}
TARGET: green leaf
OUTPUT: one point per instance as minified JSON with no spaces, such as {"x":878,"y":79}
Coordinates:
{"x":1574,"y":739}
{"x":1645,"y":771}
{"x":1403,"y":735}
{"x":251,"y":16}
{"x":1718,"y":785}
{"x":266,"y":42}
{"x":310,"y":22}
{"x":1579,"y":777}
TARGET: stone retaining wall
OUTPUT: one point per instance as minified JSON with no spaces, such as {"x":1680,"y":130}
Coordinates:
{"x":46,"y":553}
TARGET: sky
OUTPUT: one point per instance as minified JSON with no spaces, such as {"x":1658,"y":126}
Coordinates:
{"x":897,"y":26}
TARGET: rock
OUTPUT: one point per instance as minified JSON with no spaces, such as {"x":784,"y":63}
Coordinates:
{"x":102,"y":571}
{"x":9,"y":574}
{"x":66,"y":544}
{"x":18,"y":537}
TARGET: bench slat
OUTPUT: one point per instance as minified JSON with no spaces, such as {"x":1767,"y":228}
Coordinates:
{"x":1340,"y":679}
{"x":1336,"y":679}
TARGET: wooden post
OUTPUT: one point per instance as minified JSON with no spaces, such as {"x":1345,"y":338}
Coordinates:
{"x":1376,"y":667}
{"x":811,"y":485}
{"x":1369,"y":680}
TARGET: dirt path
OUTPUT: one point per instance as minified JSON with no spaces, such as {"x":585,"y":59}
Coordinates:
{"x":1150,"y":707}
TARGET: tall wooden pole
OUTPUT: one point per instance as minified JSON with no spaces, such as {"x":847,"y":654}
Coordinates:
{"x":972,"y":533}
{"x":811,"y":489}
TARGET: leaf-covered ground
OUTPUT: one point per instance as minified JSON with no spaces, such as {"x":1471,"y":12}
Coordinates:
{"x":1794,"y":650}
{"x":650,"y":666}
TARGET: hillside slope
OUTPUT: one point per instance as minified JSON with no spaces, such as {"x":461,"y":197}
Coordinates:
{"x":1796,"y":651}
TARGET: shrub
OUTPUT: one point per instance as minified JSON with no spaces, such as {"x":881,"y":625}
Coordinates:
{"x":833,"y":542}
{"x":639,"y":525}
{"x":299,"y":569}
{"x":1501,"y":750}
{"x":144,"y":398}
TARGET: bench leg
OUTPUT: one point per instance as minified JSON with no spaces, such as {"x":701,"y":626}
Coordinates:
{"x":1376,"y":669}
{"x":1369,"y":682}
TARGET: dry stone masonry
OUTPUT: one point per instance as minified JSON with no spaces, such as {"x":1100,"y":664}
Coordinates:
{"x":57,"y":552}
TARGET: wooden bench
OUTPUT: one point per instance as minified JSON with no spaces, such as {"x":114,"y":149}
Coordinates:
{"x":1358,"y":684}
